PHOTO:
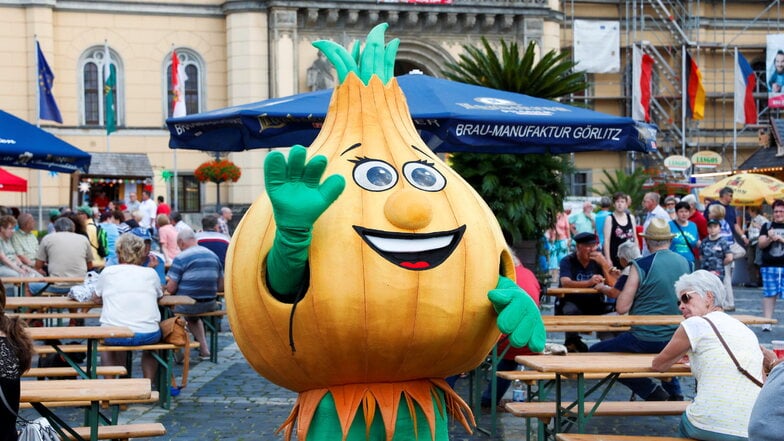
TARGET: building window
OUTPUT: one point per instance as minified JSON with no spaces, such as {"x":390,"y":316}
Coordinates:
{"x":579,"y":183}
{"x":91,"y":69}
{"x":188,"y":194}
{"x":193,"y":84}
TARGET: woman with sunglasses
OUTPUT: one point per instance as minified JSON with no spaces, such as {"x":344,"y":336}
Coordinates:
{"x":725,"y":397}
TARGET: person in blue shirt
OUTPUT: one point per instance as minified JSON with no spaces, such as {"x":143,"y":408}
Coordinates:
{"x":686,"y":241}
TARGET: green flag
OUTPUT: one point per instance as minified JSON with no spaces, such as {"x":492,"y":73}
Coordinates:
{"x":110,"y":81}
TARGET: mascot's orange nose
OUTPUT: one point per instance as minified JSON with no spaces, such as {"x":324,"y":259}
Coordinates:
{"x":408,"y":209}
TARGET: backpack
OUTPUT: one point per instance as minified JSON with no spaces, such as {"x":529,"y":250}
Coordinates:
{"x":103,"y":241}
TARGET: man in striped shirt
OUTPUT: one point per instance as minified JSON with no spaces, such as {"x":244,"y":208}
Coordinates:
{"x":195,"y":272}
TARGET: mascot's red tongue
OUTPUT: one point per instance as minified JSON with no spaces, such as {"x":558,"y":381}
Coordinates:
{"x":415,"y":265}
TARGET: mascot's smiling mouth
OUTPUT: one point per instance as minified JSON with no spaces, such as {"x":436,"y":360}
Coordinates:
{"x":412,"y":251}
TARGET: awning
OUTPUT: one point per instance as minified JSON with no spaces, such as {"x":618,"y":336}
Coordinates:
{"x":120,"y":165}
{"x":12,"y":182}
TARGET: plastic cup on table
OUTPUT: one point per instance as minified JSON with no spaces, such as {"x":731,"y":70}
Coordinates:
{"x":778,"y":348}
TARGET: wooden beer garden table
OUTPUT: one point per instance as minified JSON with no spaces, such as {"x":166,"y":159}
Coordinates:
{"x":93,"y":334}
{"x":620,"y":323}
{"x":38,"y":393}
{"x":577,"y":365}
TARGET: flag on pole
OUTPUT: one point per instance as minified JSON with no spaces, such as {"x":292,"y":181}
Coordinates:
{"x":178,"y":86}
{"x":641,"y":87}
{"x":47,"y":107}
{"x":745,"y":83}
{"x":695,"y":90}
{"x":109,"y":83}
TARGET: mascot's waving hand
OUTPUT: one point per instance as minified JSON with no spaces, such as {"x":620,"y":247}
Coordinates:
{"x":362,"y":291}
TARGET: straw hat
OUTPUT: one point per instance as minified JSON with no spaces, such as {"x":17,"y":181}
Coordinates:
{"x":658,"y":229}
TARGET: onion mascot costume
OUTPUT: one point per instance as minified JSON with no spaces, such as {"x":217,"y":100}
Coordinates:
{"x":362,"y":291}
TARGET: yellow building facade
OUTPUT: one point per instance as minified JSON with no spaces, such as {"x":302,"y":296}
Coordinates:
{"x":239,"y":51}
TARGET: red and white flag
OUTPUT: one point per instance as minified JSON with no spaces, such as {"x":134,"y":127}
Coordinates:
{"x":178,"y":86}
{"x":641,"y":86}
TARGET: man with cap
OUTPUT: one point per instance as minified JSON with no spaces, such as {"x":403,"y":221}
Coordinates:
{"x":85,"y":214}
{"x":649,"y":290}
{"x":581,"y":269}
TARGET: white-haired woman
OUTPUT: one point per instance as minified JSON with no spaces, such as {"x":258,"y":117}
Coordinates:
{"x":725,"y":397}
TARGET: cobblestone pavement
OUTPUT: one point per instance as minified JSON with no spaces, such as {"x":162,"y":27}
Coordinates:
{"x":229,"y":401}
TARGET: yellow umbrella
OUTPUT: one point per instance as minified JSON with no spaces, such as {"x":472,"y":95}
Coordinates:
{"x":748,"y":189}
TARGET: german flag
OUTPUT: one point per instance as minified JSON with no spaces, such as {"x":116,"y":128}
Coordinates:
{"x":695,"y":90}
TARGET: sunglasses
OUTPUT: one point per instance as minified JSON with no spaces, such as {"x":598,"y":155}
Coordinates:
{"x":686,"y":297}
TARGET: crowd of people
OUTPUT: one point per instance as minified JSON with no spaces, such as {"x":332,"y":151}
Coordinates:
{"x":680,"y":260}
{"x":141,"y":250}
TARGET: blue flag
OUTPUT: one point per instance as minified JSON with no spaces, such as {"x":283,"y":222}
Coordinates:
{"x":47,"y":106}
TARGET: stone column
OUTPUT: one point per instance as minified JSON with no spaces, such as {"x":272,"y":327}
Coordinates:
{"x":283,"y":51}
{"x":247,"y":59}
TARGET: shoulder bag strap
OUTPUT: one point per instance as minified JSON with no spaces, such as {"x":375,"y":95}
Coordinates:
{"x":8,"y":406}
{"x":732,"y":356}
{"x":686,"y":239}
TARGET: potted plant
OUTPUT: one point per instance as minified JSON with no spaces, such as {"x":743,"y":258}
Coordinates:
{"x":217,"y":171}
{"x":525,"y":192}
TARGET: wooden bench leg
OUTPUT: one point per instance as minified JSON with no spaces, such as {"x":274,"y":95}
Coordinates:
{"x":211,"y":324}
{"x":165,"y":359}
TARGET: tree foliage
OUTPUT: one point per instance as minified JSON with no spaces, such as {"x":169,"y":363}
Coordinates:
{"x":525,"y":192}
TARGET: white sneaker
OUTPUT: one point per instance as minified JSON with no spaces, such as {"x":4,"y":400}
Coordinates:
{"x":766,"y":328}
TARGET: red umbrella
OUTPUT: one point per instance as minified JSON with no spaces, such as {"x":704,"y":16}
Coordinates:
{"x":11,"y":182}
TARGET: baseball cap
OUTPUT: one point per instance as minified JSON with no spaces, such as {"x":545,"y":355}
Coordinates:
{"x":142,"y":233}
{"x":54,"y":212}
{"x":86,"y":209}
{"x":713,"y":222}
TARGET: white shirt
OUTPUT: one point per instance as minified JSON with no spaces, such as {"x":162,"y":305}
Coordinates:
{"x":725,"y":397}
{"x":130,"y":297}
{"x":148,"y":209}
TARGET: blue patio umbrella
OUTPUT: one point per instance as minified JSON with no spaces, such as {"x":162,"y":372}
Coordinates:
{"x":24,"y":145}
{"x":451,"y":117}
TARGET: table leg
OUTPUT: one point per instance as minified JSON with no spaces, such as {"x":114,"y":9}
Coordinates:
{"x":558,"y":405}
{"x":92,"y":358}
{"x":581,"y":403}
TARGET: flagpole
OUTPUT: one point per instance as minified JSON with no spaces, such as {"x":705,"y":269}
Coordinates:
{"x":735,"y":115}
{"x":38,"y":124}
{"x":175,"y":190}
{"x":684,"y":98}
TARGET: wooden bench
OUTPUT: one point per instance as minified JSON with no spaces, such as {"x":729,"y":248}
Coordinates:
{"x":162,"y":352}
{"x":122,"y":431}
{"x":211,"y":322}
{"x":115,"y":405}
{"x":68,"y":371}
{"x":531,"y":377}
{"x":594,"y":437}
{"x":545,"y":411}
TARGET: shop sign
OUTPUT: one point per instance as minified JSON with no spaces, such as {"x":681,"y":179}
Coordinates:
{"x":706,"y":159}
{"x":677,"y":163}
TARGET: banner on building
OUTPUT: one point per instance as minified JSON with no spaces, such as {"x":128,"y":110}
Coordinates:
{"x":775,"y":68}
{"x":642,"y":69}
{"x":597,"y":46}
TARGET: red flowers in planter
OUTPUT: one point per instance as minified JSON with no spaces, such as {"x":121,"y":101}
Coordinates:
{"x":218,"y":171}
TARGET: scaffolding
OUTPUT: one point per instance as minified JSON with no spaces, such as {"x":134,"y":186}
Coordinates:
{"x":710,"y":32}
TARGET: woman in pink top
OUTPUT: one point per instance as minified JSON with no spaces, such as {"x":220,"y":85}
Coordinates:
{"x":167,"y":235}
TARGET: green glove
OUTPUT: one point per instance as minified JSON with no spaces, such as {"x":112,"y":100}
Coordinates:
{"x":297,"y":201}
{"x":518,"y":315}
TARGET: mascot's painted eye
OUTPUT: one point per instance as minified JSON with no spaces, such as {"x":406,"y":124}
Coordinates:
{"x":374,"y":175}
{"x":423,"y":176}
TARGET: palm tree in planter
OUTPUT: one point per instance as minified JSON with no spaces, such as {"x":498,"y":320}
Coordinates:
{"x":525,"y":192}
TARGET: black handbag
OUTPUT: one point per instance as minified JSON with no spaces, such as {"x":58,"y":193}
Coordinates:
{"x":36,"y":430}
